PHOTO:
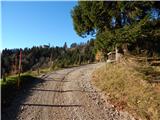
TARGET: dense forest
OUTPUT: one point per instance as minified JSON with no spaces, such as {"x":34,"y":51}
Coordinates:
{"x":130,"y":25}
{"x":46,"y":56}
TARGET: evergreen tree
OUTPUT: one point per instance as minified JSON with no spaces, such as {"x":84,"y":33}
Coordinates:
{"x":117,"y":23}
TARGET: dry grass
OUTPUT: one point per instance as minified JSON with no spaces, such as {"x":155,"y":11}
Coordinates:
{"x":127,"y":86}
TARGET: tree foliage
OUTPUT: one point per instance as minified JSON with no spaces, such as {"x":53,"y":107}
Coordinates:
{"x":118,"y":22}
{"x":89,"y":16}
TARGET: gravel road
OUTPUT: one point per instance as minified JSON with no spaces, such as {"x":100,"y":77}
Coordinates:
{"x":68,"y":95}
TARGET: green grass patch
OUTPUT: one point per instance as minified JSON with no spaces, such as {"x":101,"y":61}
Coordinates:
{"x":10,"y":90}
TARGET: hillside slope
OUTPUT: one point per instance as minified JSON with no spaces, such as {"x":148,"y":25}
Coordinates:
{"x":130,"y":86}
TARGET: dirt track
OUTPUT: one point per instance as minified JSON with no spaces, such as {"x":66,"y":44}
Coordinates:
{"x":68,"y":95}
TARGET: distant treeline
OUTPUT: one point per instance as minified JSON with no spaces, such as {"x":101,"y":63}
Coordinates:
{"x":46,"y":56}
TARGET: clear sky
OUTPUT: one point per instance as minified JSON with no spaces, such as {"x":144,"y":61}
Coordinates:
{"x":27,"y":24}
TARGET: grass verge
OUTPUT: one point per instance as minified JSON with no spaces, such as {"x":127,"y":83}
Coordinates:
{"x":128,"y":86}
{"x":9,"y":89}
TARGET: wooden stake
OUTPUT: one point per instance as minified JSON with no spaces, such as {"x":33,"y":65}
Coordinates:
{"x":19,"y":69}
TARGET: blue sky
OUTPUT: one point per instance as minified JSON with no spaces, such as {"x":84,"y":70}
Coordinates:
{"x":27,"y":24}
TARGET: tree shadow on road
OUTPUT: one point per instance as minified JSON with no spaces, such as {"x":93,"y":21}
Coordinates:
{"x":15,"y":98}
{"x":59,"y":91}
{"x":52,"y":80}
{"x":12,"y":97}
{"x":49,"y":105}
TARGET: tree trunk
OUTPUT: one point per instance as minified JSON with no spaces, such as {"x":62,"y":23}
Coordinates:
{"x":125,"y":48}
{"x":118,"y":55}
{"x":4,"y":77}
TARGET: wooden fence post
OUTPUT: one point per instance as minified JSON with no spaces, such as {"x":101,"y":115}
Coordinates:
{"x":19,"y":69}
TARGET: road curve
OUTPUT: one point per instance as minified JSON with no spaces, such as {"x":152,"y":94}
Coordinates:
{"x":68,"y":95}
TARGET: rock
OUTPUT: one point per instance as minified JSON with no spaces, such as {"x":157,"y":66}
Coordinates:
{"x":22,"y":108}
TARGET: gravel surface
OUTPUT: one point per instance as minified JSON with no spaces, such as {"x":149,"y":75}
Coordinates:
{"x":67,"y":95}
